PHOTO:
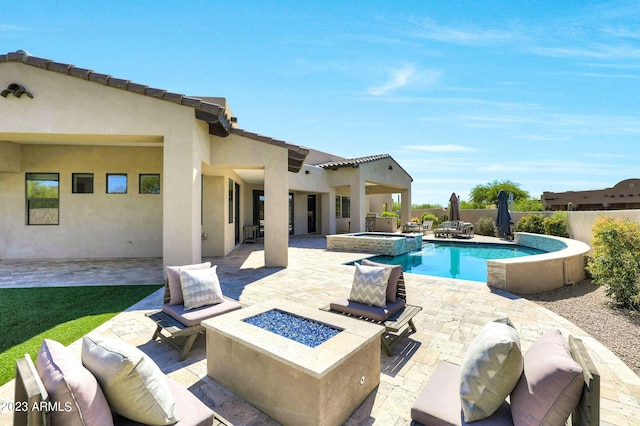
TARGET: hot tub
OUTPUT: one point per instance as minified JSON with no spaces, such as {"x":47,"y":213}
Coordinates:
{"x":291,"y":382}
{"x":375,"y":242}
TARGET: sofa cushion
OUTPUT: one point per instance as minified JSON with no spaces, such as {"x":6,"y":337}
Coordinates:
{"x":195,"y":316}
{"x":551,"y":384}
{"x":368,"y":311}
{"x":490,"y":369}
{"x":439,"y":401}
{"x":394,"y":276}
{"x":71,"y":386}
{"x":189,"y":409}
{"x":173,"y":280}
{"x":200,"y":287}
{"x":133,"y":384}
{"x":370,"y":285}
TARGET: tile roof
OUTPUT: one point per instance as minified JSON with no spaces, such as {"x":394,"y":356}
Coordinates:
{"x":355,"y":162}
{"x":297,"y":154}
{"x":215,"y":115}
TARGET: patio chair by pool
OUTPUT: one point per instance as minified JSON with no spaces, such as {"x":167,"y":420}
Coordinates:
{"x":454,"y":229}
{"x":192,"y":294}
{"x":390,"y":311}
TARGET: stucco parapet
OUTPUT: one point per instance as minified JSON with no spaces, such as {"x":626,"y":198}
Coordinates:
{"x":3,"y":58}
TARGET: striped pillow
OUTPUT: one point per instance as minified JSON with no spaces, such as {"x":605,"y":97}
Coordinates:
{"x":370,"y":285}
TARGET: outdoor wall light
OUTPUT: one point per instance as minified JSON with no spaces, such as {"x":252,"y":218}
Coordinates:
{"x":17,"y":89}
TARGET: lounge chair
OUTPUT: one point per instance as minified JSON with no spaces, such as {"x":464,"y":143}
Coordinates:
{"x":396,"y":316}
{"x":180,"y":324}
{"x":440,"y":401}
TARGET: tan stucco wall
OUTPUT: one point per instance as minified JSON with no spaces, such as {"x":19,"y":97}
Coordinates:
{"x":97,"y":225}
{"x":10,"y":157}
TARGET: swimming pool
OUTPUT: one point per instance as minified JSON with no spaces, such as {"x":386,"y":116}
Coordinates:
{"x":465,"y":261}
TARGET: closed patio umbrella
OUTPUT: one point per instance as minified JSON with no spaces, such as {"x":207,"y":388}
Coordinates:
{"x":503,"y":220}
{"x":454,"y":209}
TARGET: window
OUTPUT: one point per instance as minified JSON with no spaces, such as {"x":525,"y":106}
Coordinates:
{"x":343,"y":207}
{"x":149,"y":184}
{"x":82,"y":183}
{"x":43,"y":198}
{"x":116,"y":183}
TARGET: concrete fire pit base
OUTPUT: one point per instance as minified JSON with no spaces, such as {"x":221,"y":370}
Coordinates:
{"x":289,"y":381}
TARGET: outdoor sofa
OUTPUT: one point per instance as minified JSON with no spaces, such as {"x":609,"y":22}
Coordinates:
{"x":390,"y":310}
{"x":111,"y":383}
{"x":552,"y":381}
{"x":455,"y":228}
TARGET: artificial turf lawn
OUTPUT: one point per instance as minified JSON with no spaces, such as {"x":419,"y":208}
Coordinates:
{"x":28,"y":315}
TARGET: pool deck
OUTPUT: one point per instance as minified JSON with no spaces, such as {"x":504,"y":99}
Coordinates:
{"x":454,"y":312}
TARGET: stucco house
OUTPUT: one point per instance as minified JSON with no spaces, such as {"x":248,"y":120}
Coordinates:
{"x":93,"y":166}
{"x":624,"y":195}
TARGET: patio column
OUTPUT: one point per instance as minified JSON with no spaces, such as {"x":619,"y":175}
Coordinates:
{"x":328,"y":215}
{"x":405,"y":201}
{"x":358,"y":204}
{"x":181,"y":189}
{"x":276,"y":215}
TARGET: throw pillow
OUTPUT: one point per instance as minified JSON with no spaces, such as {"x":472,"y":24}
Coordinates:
{"x":490,"y":370}
{"x":394,"y":276}
{"x":133,"y":384}
{"x":200,"y":287}
{"x":551,"y":384}
{"x":370,"y":285}
{"x":71,"y":387}
{"x":173,"y":279}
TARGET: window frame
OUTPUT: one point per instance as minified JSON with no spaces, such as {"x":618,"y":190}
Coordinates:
{"x":74,"y":176}
{"x":141,"y":176}
{"x":126,"y":188}
{"x":28,"y":199}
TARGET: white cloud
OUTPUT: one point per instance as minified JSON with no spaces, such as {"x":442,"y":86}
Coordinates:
{"x":405,"y":76}
{"x":441,"y":148}
{"x":429,"y":29}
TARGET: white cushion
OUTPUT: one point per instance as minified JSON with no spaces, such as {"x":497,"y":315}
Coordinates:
{"x":200,"y":287}
{"x":490,"y":370}
{"x":132,"y":383}
{"x":173,"y":279}
{"x":370,"y":285}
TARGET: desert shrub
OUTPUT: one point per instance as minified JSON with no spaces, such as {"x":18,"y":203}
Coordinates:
{"x":557,"y":224}
{"x":615,"y":262}
{"x":533,"y":223}
{"x":487,"y":226}
{"x":391,"y":214}
{"x":430,"y":216}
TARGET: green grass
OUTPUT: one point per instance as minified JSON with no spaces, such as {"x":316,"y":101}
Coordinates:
{"x":65,"y":314}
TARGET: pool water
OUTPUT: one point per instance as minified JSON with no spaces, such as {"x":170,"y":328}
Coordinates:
{"x":302,"y":330}
{"x":465,"y":261}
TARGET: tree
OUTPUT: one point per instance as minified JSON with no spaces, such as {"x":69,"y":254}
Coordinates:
{"x":488,"y":193}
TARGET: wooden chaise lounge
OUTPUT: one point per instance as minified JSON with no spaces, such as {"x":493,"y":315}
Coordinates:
{"x":183,"y":326}
{"x":396,"y":317}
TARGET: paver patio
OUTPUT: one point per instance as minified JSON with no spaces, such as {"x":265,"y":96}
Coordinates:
{"x":454,"y":312}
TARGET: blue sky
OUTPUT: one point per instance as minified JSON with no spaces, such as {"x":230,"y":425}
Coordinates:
{"x":546,"y":94}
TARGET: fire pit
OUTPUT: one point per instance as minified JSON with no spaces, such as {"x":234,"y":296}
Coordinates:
{"x":293,"y":382}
